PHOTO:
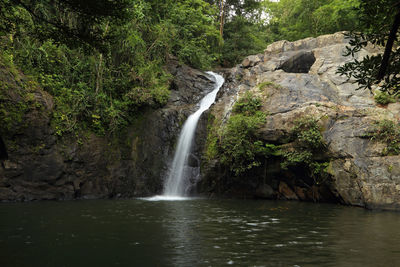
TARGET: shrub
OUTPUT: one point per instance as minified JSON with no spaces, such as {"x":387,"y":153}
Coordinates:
{"x":248,"y":104}
{"x":384,"y":98}
{"x":308,"y":141}
{"x":307,"y":134}
{"x":388,"y":132}
{"x":237,"y":144}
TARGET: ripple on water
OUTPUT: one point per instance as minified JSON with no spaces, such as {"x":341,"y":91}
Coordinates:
{"x":204,"y":232}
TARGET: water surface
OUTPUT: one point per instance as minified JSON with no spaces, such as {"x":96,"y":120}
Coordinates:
{"x":196,"y":233}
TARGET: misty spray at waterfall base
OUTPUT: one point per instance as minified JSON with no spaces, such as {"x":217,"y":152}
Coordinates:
{"x":177,"y":182}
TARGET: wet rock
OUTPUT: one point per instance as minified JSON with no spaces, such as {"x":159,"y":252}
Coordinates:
{"x":265,"y":191}
{"x":286,"y":192}
{"x":193,"y":161}
{"x":189,"y":85}
{"x":301,"y":193}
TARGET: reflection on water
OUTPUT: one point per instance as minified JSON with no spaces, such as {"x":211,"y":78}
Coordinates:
{"x":196,"y":232}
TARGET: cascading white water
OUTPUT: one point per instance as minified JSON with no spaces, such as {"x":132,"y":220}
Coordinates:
{"x":176,"y":182}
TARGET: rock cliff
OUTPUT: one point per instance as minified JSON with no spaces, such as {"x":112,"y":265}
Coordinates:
{"x":297,"y":79}
{"x":293,"y":79}
{"x":37,"y":164}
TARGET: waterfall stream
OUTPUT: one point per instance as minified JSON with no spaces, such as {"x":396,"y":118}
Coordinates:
{"x":177,"y":182}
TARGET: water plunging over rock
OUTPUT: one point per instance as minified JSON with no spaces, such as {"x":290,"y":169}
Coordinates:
{"x":176,"y":183}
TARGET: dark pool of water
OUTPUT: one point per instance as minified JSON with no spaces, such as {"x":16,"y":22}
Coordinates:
{"x":196,"y":233}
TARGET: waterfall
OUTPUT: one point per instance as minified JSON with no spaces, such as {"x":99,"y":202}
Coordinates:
{"x":176,"y":182}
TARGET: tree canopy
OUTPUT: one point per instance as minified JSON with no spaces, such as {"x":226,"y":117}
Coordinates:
{"x":103,"y":61}
{"x":296,"y":19}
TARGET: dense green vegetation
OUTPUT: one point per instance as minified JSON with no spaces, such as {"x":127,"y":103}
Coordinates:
{"x":13,"y":109}
{"x":237,"y":144}
{"x":248,"y":26}
{"x":239,"y":148}
{"x":103,"y":61}
{"x":307,"y":143}
{"x":103,"y":66}
{"x":296,"y":19}
{"x":242,"y":29}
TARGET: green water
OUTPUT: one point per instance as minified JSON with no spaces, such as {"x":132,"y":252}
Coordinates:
{"x":196,"y":233}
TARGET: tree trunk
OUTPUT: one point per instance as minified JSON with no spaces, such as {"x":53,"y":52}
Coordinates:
{"x":221,"y":17}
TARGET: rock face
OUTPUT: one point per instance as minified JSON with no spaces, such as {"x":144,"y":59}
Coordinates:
{"x":294,"y":79}
{"x":36,"y":164}
{"x":298,"y":79}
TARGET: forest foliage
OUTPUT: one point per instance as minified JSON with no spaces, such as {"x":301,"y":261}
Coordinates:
{"x":103,"y":61}
{"x":296,"y":19}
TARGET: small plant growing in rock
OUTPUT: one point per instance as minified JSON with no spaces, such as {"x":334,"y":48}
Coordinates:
{"x":384,"y":98}
{"x":388,"y":132}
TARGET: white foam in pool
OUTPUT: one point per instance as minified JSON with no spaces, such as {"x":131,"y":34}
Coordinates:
{"x":166,"y":198}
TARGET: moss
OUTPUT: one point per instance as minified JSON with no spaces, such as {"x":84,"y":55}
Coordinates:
{"x":12,"y":145}
{"x":211,"y":150}
{"x":263,"y":85}
{"x":38,"y":148}
{"x":17,"y":97}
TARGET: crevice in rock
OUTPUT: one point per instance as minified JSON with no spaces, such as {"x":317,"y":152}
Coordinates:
{"x":3,"y":150}
{"x":301,"y":62}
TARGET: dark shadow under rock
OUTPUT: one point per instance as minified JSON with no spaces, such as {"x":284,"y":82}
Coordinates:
{"x":3,"y":150}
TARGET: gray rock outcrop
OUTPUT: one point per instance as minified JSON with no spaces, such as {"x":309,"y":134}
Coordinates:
{"x":297,"y":79}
